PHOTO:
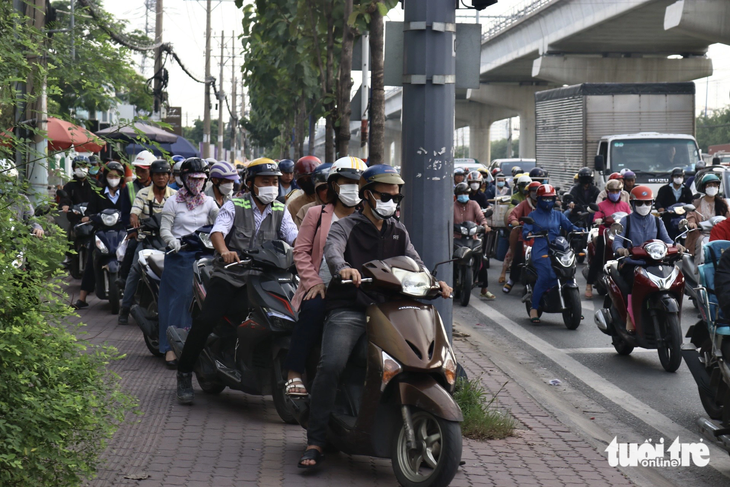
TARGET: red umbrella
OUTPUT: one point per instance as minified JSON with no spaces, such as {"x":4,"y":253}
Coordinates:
{"x":63,"y":135}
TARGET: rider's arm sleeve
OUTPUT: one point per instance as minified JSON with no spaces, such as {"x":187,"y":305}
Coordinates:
{"x":334,"y":249}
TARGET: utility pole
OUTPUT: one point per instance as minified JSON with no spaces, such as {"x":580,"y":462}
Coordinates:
{"x":365,"y":95}
{"x":206,"y":102}
{"x":234,"y":128}
{"x":220,"y":100}
{"x":428,"y":134}
{"x":157,"y":107}
{"x":242,"y":145}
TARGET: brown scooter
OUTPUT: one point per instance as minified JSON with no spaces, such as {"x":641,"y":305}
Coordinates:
{"x":394,"y":398}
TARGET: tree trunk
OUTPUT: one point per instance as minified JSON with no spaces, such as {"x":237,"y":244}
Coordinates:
{"x":377,"y":105}
{"x":343,"y":104}
{"x":329,"y":143}
{"x":299,"y":123}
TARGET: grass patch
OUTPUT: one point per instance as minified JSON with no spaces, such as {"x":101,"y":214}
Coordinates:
{"x":483,"y":420}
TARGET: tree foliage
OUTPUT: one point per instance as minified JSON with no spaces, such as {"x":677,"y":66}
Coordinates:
{"x":713,"y":129}
{"x":499,"y":149}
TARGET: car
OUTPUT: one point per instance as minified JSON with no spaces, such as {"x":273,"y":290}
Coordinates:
{"x":506,"y":165}
{"x":468,"y":164}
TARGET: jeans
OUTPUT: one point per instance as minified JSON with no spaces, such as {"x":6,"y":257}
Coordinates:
{"x":220,"y":298}
{"x":130,"y":286}
{"x":176,"y":293}
{"x":306,"y":334}
{"x":342,"y":330}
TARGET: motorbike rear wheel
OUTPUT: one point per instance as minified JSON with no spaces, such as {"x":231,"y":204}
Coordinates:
{"x":153,"y":345}
{"x":467,"y":282}
{"x":574,"y":312}
{"x":209,"y":387}
{"x":713,"y":408}
{"x":112,"y":290}
{"x":435,"y":460}
{"x":278,"y":391}
{"x":75,"y":266}
{"x":670,"y":354}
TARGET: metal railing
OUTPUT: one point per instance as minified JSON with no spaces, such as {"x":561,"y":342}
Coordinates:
{"x":518,"y":12}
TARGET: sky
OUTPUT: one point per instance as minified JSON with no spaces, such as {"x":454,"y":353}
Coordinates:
{"x":184,"y":27}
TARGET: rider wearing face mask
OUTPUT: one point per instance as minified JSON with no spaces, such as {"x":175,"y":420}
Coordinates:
{"x":465,"y":209}
{"x":257,"y":217}
{"x":322,"y":194}
{"x":303,"y":170}
{"x":314,"y":275}
{"x":501,"y":186}
{"x":79,"y":190}
{"x":175,"y":181}
{"x":673,"y":192}
{"x":517,"y":244}
{"x":223,"y":176}
{"x":623,"y":196}
{"x":707,"y":206}
{"x":475,"y":180}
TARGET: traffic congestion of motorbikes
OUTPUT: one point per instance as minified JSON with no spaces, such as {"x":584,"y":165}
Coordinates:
{"x":297,"y":280}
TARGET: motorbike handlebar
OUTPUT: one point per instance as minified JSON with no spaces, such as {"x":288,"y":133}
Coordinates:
{"x":240,"y":262}
{"x":364,"y":279}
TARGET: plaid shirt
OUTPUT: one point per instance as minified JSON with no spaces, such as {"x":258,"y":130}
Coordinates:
{"x":141,"y":204}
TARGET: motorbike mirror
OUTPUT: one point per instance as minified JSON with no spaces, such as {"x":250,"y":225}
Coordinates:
{"x":42,"y":210}
{"x":683,"y":225}
{"x":617,"y":228}
{"x":527,"y":219}
{"x":598,"y":162}
{"x":689,"y":207}
{"x":593,"y":206}
{"x":489,"y":212}
{"x":515,"y":202}
{"x":433,"y":272}
{"x":567,"y":198}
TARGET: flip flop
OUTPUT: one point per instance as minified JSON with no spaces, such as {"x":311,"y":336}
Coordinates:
{"x":507,"y":288}
{"x":311,"y":454}
{"x":295,"y":383}
{"x":535,"y":321}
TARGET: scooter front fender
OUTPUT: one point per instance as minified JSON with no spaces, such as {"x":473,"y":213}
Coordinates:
{"x":665,"y":302}
{"x":425,"y":393}
{"x":112,"y":266}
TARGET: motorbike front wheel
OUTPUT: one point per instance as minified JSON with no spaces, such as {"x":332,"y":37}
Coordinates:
{"x":437,"y":453}
{"x":713,"y":407}
{"x":278,"y":391}
{"x":574,"y":312}
{"x":112,"y":290}
{"x":76,"y":266}
{"x":669,"y":353}
{"x":467,"y":282}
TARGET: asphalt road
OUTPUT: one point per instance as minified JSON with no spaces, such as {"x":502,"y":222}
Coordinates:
{"x":634,"y":390}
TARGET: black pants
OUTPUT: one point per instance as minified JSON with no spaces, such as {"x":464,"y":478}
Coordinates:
{"x":88,"y":279}
{"x":128,"y":259}
{"x":518,"y":258}
{"x":627,"y":274}
{"x":307,"y":333}
{"x":595,"y":265}
{"x":221,"y":298}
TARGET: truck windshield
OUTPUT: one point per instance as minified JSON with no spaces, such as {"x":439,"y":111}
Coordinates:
{"x":653,"y":155}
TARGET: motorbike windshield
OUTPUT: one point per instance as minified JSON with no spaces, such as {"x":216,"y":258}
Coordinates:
{"x":653,"y":159}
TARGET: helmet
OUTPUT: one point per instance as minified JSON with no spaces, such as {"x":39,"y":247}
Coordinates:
{"x":210,"y":161}
{"x":160,"y":166}
{"x":474,"y":177}
{"x":706,"y":179}
{"x":628,"y":174}
{"x":193,"y":165}
{"x":144,"y":159}
{"x":347,"y":167}
{"x":495,"y":171}
{"x":8,"y":169}
{"x":93,"y":160}
{"x":546,"y":191}
{"x":616,"y":175}
{"x":176,"y":167}
{"x":177,"y":158}
{"x":484,"y":171}
{"x":321,"y":174}
{"x":459,"y":170}
{"x":80,"y":160}
{"x":286,"y":165}
{"x":114,"y":166}
{"x":699,"y":165}
{"x":523,"y":180}
{"x":263,"y":166}
{"x":641,"y":193}
{"x":614,"y":184}
{"x":575,"y":177}
{"x":533,"y":186}
{"x":538,"y":173}
{"x":224,"y":170}
{"x":461,"y":188}
{"x":585,"y":176}
{"x":379,"y":173}
{"x":678,"y":171}
{"x":305,"y":166}
{"x":516,"y":170}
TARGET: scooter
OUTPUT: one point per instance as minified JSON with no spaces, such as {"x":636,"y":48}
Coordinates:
{"x":394,"y":397}
{"x":468,"y":259}
{"x":580,"y":215}
{"x":248,"y":348}
{"x":649,"y":316}
{"x":81,"y":236}
{"x":106,"y":265}
{"x":607,"y":238}
{"x":690,"y":263}
{"x":564,"y":297}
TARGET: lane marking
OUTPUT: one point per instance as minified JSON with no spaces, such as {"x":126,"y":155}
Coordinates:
{"x":603,"y":350}
{"x":643,"y":412}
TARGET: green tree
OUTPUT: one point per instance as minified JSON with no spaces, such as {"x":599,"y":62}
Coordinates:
{"x":195,"y":133}
{"x":499,"y":149}
{"x":714,"y":129}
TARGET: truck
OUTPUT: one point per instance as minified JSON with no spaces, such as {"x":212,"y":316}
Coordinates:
{"x":645,"y":127}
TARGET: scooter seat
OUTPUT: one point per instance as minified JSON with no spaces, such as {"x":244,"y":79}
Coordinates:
{"x":156,"y":262}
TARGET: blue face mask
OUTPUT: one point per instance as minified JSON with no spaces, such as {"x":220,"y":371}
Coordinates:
{"x":500,"y":184}
{"x":463,"y":198}
{"x":94,"y":170}
{"x":545,"y":204}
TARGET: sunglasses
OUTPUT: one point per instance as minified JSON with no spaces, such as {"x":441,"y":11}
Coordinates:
{"x":385,"y":197}
{"x":643,"y":203}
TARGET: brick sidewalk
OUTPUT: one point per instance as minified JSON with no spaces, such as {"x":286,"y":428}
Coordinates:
{"x":236,"y":439}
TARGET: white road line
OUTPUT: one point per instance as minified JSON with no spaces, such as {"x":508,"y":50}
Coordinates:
{"x":602,"y":350}
{"x":668,"y":428}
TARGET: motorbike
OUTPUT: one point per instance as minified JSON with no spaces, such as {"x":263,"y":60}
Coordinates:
{"x":106,"y":265}
{"x":690,"y":263}
{"x":580,"y":215}
{"x":81,"y":236}
{"x":607,"y":238}
{"x":394,"y":398}
{"x":674,"y":216}
{"x":652,"y":309}
{"x":248,"y":348}
{"x":564,"y":297}
{"x":468,"y":258}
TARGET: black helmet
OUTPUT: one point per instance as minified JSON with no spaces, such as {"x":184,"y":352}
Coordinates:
{"x":538,"y":173}
{"x":585,"y":176}
{"x":80,"y":160}
{"x":160,"y":166}
{"x":192,"y":165}
{"x":114,"y":166}
{"x":461,"y":188}
{"x":678,"y":171}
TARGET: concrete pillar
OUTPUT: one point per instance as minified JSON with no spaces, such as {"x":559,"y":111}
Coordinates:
{"x":479,"y":144}
{"x":398,"y":147}
{"x":583,"y":69}
{"x":527,"y":132}
{"x":704,"y":19}
{"x":386,"y":155}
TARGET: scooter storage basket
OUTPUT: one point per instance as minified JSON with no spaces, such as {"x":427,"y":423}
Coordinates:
{"x":501,"y":209}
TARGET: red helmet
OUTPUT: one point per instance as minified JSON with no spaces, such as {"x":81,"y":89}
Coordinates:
{"x":642,"y":193}
{"x":546,"y":191}
{"x":533,"y":185}
{"x":306,"y":166}
{"x":616,"y":175}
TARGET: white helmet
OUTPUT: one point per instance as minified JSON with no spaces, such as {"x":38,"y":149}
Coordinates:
{"x":8,"y":169}
{"x":524,"y":180}
{"x":347,"y":167}
{"x":144,"y":159}
{"x":176,"y":167}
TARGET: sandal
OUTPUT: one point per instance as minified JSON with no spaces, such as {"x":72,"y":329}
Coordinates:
{"x":311,"y":454}
{"x":293,"y":384}
{"x":507,"y":288}
{"x":534,"y":319}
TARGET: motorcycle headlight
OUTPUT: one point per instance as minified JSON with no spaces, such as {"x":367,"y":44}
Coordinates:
{"x":110,"y":220}
{"x":473,"y":231}
{"x":100,"y":245}
{"x":656,"y":250}
{"x":464,"y":231}
{"x":391,"y":368}
{"x":566,"y":259}
{"x":449,"y":368}
{"x":415,"y":284}
{"x":205,"y":239}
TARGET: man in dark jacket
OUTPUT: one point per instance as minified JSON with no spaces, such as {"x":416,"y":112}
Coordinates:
{"x":673,"y":192}
{"x":583,"y":193}
{"x":722,"y":283}
{"x":353,"y":241}
{"x":79,"y":190}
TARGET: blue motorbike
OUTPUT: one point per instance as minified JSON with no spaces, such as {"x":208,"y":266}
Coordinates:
{"x":107,"y":239}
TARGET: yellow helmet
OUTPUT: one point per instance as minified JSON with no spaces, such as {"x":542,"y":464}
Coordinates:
{"x":263,"y":166}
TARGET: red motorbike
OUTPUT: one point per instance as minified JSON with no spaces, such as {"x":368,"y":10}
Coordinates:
{"x":602,"y":230}
{"x":647,"y":316}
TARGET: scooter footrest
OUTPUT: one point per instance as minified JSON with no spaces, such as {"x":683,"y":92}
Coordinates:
{"x":722,"y":431}
{"x":688,"y":347}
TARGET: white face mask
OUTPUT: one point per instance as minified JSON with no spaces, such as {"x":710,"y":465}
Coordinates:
{"x":349,"y":195}
{"x":474,"y":186}
{"x":678,"y":181}
{"x":113,"y":183}
{"x":643,"y":210}
{"x":384,"y":210}
{"x":267,"y":194}
{"x":226,"y":189}
{"x":81,"y":172}
{"x":711,"y":190}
